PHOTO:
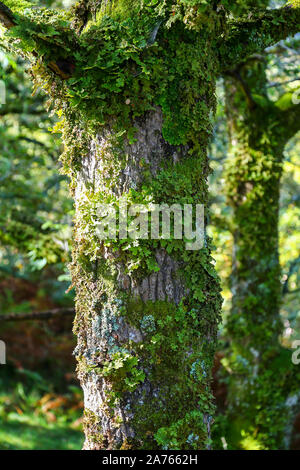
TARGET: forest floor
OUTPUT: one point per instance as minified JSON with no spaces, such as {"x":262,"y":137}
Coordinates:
{"x":28,"y":433}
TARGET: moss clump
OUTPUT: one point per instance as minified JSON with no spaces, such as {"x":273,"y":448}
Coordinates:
{"x":176,"y":337}
{"x":92,"y":426}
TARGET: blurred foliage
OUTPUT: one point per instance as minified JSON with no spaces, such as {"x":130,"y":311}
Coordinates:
{"x":37,"y":412}
{"x":35,"y":208}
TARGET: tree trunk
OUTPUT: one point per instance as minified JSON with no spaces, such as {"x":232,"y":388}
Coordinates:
{"x":146,"y":338}
{"x":262,"y":375}
{"x":253,"y":179}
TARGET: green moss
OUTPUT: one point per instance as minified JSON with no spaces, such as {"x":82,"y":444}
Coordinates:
{"x":119,"y":10}
{"x":176,"y":337}
{"x":92,"y":427}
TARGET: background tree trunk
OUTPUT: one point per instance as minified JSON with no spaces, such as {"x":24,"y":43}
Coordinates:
{"x":262,"y":373}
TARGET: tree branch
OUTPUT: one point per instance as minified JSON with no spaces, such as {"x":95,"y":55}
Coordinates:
{"x":46,"y":315}
{"x":6,"y":16}
{"x":248,"y":36}
{"x":236,"y":74}
{"x":277,"y":84}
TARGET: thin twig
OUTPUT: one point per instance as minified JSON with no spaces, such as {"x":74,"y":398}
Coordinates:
{"x":271,"y":85}
{"x":46,"y":315}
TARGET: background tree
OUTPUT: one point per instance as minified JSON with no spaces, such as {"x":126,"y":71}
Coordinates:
{"x":263,"y":376}
{"x":137,"y":96}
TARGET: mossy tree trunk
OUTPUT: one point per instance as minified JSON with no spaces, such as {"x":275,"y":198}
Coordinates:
{"x":262,"y":375}
{"x":134,"y":84}
{"x":146,"y":337}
